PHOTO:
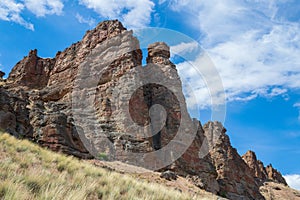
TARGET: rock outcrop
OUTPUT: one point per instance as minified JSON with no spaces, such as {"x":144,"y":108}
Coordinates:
{"x":234,"y":176}
{"x":260,"y":172}
{"x":1,"y":75}
{"x":96,"y":97}
{"x":272,"y":190}
{"x":256,"y":166}
{"x":32,"y":72}
{"x":275,"y":175}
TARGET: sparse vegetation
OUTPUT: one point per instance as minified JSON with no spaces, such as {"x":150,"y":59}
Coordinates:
{"x":222,"y":194}
{"x":30,"y":172}
{"x":102,"y":156}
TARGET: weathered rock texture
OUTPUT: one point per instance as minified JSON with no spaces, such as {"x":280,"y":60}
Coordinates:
{"x":260,"y":172}
{"x":96,"y":97}
{"x":32,"y":71}
{"x":272,"y":190}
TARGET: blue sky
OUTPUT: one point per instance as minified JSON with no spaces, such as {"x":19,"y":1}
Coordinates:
{"x":253,"y":45}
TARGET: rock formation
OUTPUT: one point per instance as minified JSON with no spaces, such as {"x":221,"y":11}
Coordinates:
{"x":234,"y":176}
{"x":260,"y":172}
{"x":1,"y":75}
{"x":96,"y":97}
{"x":32,"y":71}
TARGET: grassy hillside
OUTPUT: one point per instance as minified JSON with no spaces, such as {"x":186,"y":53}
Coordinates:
{"x":30,"y":172}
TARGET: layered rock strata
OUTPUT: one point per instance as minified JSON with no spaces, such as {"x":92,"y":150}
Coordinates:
{"x":95,"y":97}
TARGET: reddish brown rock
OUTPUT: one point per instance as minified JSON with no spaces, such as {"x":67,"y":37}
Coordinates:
{"x":96,"y":97}
{"x":14,"y":114}
{"x":275,"y":175}
{"x":7,"y":121}
{"x":255,"y":165}
{"x":190,"y":164}
{"x":235,"y":178}
{"x":259,"y":171}
{"x":67,"y":62}
{"x":45,"y":115}
{"x":32,"y":71}
{"x":159,"y":53}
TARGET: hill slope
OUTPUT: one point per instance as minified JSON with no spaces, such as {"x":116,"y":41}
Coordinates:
{"x":28,"y":171}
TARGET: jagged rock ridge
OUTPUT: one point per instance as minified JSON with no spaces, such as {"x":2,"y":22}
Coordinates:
{"x":260,"y":172}
{"x":36,"y":102}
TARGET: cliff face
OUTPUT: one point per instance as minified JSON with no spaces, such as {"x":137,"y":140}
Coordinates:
{"x":260,"y":172}
{"x":96,"y":97}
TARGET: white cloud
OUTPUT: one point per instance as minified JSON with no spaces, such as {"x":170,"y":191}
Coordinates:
{"x":293,"y":181}
{"x":297,"y":105}
{"x":161,"y":1}
{"x":44,"y":7}
{"x":201,"y":82}
{"x":90,"y":21}
{"x":134,"y":14}
{"x":11,"y":11}
{"x":184,"y":48}
{"x":255,"y":50}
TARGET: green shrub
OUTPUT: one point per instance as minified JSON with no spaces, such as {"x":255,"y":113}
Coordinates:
{"x":102,"y":156}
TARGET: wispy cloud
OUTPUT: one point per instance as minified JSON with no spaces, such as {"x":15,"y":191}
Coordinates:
{"x":11,"y":11}
{"x":254,"y":48}
{"x":134,"y":14}
{"x":293,"y":134}
{"x":184,"y":48}
{"x":297,"y":105}
{"x":90,"y":21}
{"x":293,"y":181}
{"x":44,"y":7}
{"x":161,"y":1}
{"x":202,"y":84}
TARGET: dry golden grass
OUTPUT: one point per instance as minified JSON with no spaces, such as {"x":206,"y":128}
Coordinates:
{"x":30,"y":172}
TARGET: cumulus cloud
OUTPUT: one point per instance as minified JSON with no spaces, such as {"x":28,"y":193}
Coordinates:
{"x":90,"y":21}
{"x":253,"y":47}
{"x":44,"y":7}
{"x":202,"y":84}
{"x":293,"y":181}
{"x":134,"y":14}
{"x":11,"y":11}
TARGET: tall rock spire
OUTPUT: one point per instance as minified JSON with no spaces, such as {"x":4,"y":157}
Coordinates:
{"x":96,"y":97}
